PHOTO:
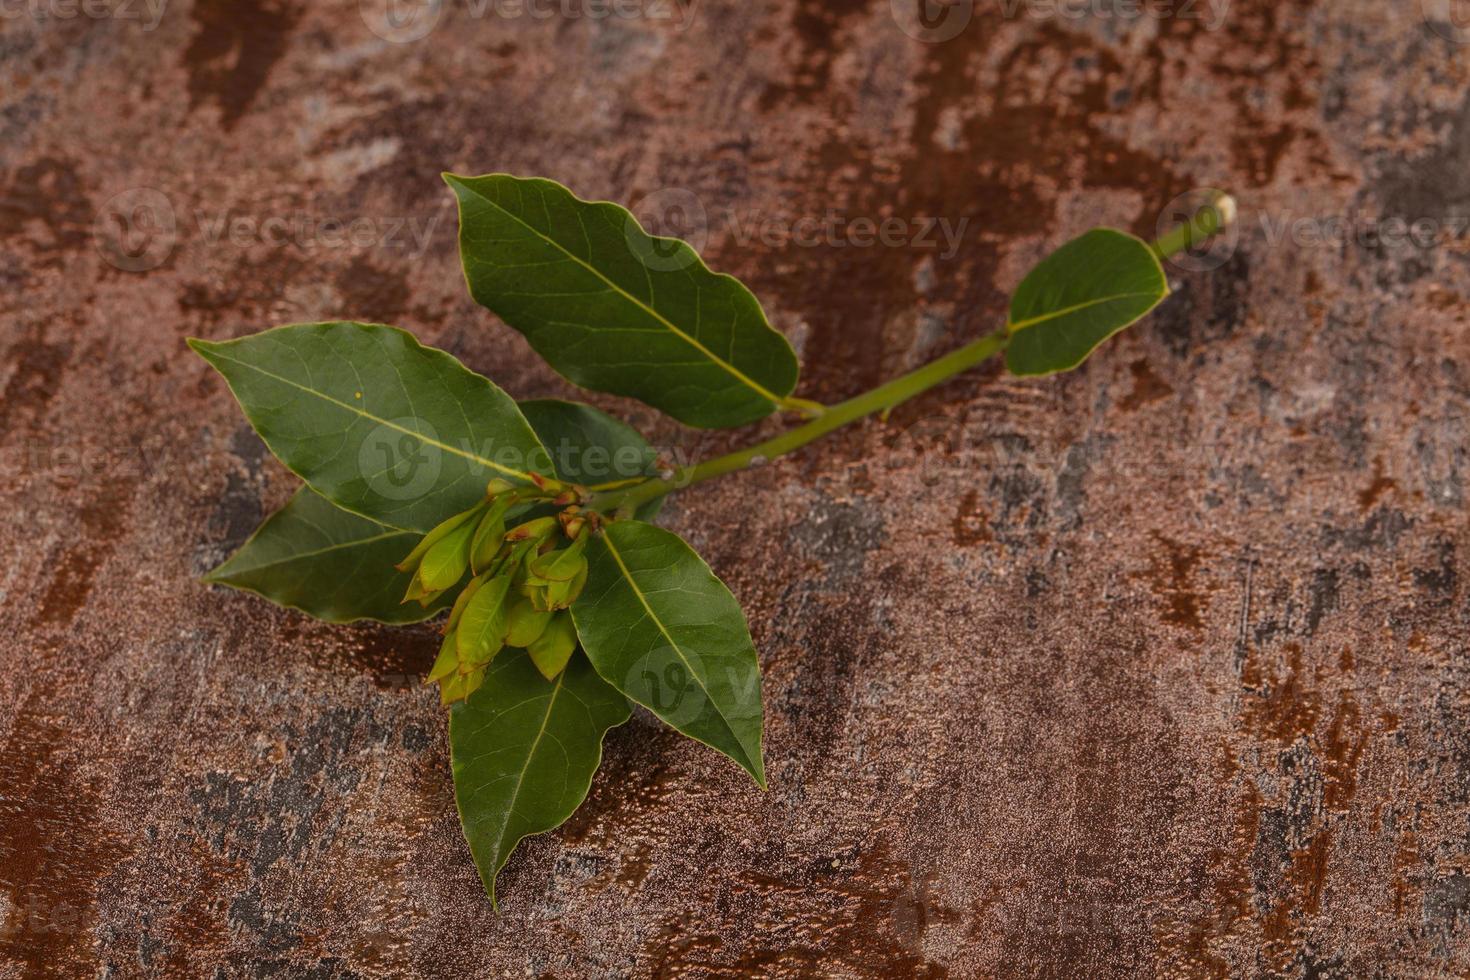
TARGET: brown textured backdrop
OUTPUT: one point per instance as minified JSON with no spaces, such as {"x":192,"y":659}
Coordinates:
{"x":1159,"y":668}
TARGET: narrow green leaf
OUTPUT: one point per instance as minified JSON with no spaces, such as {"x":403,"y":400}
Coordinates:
{"x":481,"y":630}
{"x":1079,"y":296}
{"x":524,"y":750}
{"x":660,"y":627}
{"x":591,"y":448}
{"x":448,"y":660}
{"x":326,"y":562}
{"x":447,"y":561}
{"x":561,"y":565}
{"x":441,"y":531}
{"x":376,"y":423}
{"x":615,"y":309}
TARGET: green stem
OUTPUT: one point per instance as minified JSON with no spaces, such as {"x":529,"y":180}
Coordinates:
{"x":1208,"y":220}
{"x":879,"y":399}
{"x":1217,"y":212}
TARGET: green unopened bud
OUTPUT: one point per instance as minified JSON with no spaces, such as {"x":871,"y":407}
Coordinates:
{"x":446,"y":562}
{"x":548,"y":485}
{"x":489,"y":535}
{"x":496,"y":487}
{"x":517,"y":554}
{"x":524,"y":623}
{"x":575,"y":587}
{"x":534,"y":530}
{"x":434,"y":537}
{"x":417,"y":592}
{"x":550,"y":594}
{"x":452,"y":689}
{"x":457,"y":679}
{"x":560,"y":595}
{"x":481,"y":630}
{"x":446,"y":663}
{"x":473,"y":680}
{"x":461,"y":684}
{"x":563,"y":565}
{"x":553,"y":648}
{"x":465,"y":596}
{"x":573,"y":522}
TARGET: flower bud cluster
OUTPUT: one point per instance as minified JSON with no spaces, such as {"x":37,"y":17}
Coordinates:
{"x":526,"y":566}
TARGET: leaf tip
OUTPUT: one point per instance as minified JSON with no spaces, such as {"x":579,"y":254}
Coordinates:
{"x":216,"y":575}
{"x":754,"y":763}
{"x":757,"y":768}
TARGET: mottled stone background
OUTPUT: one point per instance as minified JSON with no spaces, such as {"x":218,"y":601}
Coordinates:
{"x":1156,"y":669}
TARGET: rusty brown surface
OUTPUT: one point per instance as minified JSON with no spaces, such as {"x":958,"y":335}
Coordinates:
{"x":1159,"y":668}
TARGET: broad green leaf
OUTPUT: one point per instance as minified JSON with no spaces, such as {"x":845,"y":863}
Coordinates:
{"x":660,"y":627}
{"x":1079,"y":296}
{"x":590,"y":447}
{"x":524,"y":750}
{"x":615,"y":309}
{"x":326,"y":562}
{"x":376,"y":423}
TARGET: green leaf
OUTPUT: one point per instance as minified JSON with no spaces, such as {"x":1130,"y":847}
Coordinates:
{"x":326,"y":562}
{"x":591,"y":448}
{"x":481,"y":630}
{"x":588,"y":447}
{"x":524,"y":750}
{"x":376,"y":423}
{"x":446,"y":562}
{"x":524,"y":623}
{"x":660,"y":627}
{"x":615,"y":309}
{"x":551,"y":651}
{"x":1079,"y":296}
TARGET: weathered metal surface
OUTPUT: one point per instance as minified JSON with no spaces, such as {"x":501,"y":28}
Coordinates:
{"x":1156,"y":669}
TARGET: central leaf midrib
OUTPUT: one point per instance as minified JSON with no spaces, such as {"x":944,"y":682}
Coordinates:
{"x":628,"y":577}
{"x":732,"y":369}
{"x":489,"y":463}
{"x":1014,"y":326}
{"x":301,"y":556}
{"x":525,"y":767}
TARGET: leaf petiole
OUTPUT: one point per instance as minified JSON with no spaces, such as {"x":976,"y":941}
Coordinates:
{"x":803,"y":406}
